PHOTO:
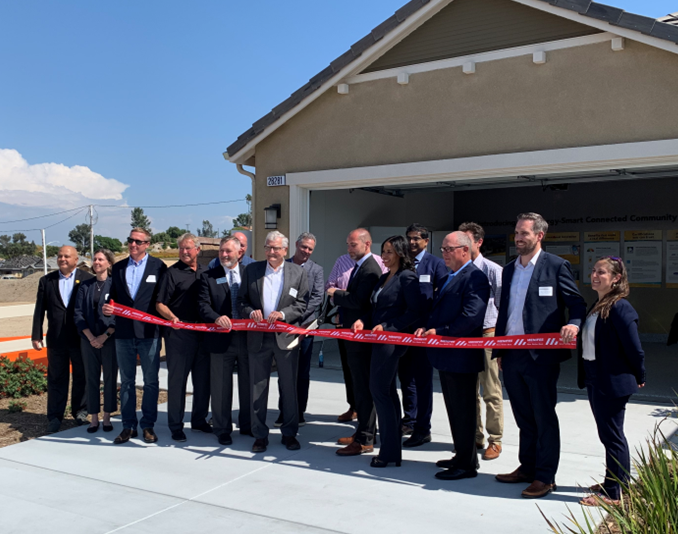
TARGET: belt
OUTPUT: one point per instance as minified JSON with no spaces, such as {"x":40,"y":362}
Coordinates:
{"x":489,"y":330}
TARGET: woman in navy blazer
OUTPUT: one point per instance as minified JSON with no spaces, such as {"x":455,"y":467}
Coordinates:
{"x":397,"y":306}
{"x":612,"y":367}
{"x":96,"y":345}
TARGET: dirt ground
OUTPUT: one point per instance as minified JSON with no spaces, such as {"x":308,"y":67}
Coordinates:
{"x":22,"y":290}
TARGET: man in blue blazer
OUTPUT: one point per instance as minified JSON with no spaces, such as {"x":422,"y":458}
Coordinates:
{"x":414,"y":370}
{"x":135,"y":284}
{"x":537,"y":288}
{"x":459,"y":311}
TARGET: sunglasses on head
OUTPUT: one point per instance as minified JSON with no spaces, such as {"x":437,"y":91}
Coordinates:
{"x":137,"y":241}
{"x":614,"y":258}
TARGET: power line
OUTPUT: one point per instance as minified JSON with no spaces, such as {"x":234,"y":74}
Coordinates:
{"x":42,"y":216}
{"x":50,"y":226}
{"x":170,"y":205}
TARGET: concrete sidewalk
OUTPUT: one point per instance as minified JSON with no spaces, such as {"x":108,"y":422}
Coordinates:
{"x":73,"y":482}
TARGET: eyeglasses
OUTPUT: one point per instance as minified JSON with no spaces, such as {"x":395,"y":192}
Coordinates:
{"x":415,"y":238}
{"x":136,"y":241}
{"x":269,"y":248}
{"x":450,"y":249}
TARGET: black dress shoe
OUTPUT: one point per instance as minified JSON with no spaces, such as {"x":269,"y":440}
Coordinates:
{"x":125,"y":436}
{"x":53,"y":426}
{"x":92,"y":429}
{"x":417,"y":440}
{"x":445,"y":464}
{"x":246,"y":432}
{"x":406,"y":430}
{"x":456,"y":474}
{"x":260,"y":445}
{"x":108,"y":428}
{"x":178,"y":435}
{"x":291,"y":443}
{"x":376,"y":462}
{"x":204,"y":427}
{"x":149,"y":435}
{"x":225,"y":439}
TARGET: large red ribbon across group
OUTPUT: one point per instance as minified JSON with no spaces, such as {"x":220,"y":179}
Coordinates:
{"x":527,"y":341}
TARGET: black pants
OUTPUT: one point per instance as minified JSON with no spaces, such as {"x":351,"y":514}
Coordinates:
{"x":221,"y":386}
{"x":416,"y":385}
{"x":303,"y":375}
{"x":359,"y":357}
{"x":348,"y":377}
{"x":532,"y":391}
{"x":185,"y":355}
{"x":383,"y":369}
{"x":459,"y":393}
{"x":95,"y":360}
{"x":59,"y":362}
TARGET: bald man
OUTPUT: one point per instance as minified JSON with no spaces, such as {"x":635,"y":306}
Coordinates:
{"x":57,"y":293}
{"x":243,"y":260}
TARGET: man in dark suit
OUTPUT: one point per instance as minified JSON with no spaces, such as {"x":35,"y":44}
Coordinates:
{"x":537,"y":288}
{"x":244,"y":259}
{"x":274,"y":290}
{"x":57,"y":293}
{"x":414,"y":370}
{"x":459,"y":311}
{"x":135,"y":284}
{"x":217,"y":298}
{"x":354,"y":304}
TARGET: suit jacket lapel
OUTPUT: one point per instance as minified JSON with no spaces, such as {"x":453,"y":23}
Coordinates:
{"x":55,"y":282}
{"x":260,"y":283}
{"x":452,"y":283}
{"x":123,"y":275}
{"x":287,"y":283}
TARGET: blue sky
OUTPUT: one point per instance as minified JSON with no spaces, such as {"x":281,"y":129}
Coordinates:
{"x":104,"y":95}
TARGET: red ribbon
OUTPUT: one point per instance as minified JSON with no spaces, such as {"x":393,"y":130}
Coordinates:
{"x":527,"y":341}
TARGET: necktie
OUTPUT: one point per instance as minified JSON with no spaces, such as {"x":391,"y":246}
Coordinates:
{"x":233,"y":286}
{"x":352,"y":273}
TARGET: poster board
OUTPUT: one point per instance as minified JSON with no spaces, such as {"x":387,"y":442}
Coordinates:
{"x":642,"y":253}
{"x":597,"y":245}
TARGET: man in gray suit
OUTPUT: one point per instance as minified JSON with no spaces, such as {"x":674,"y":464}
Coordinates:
{"x":274,"y":290}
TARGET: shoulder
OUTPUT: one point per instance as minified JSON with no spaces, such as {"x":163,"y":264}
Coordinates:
{"x":54,"y":275}
{"x":157,"y":262}
{"x":84,"y":275}
{"x":552,"y":259}
{"x":120,"y":264}
{"x":623,"y":309}
{"x":89,"y":281}
{"x":406,"y":275}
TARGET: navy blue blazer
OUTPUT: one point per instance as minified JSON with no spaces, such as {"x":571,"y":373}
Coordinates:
{"x":85,"y":318}
{"x":214,"y":300}
{"x":620,"y":360}
{"x":459,"y":311}
{"x":544,"y":314}
{"x":400,"y":305}
{"x":433,"y":267}
{"x":144,"y":301}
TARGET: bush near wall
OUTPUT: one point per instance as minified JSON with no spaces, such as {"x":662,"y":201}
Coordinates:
{"x":21,"y":378}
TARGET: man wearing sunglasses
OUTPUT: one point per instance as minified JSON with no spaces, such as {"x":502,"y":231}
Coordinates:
{"x":135,"y":284}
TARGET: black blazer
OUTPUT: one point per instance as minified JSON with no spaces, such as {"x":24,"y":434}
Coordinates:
{"x":401,"y":305}
{"x":620,"y":360}
{"x":544,"y":314}
{"x":354,"y":301}
{"x":85,"y":318}
{"x":459,"y":311}
{"x":214,"y":300}
{"x":144,"y":300}
{"x":61,"y":329}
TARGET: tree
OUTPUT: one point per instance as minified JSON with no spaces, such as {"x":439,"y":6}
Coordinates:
{"x":161,"y":237}
{"x":139,"y":219}
{"x":12,"y":247}
{"x":111,"y":243}
{"x":174,"y":232}
{"x":244,"y":219}
{"x":52,"y":250}
{"x":225,"y":233}
{"x":79,"y":236}
{"x":207,"y":230}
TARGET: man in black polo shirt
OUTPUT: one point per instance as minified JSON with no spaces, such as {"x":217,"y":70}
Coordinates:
{"x":178,"y":301}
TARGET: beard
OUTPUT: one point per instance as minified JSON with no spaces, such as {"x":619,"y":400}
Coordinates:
{"x":527,"y":249}
{"x":229,"y":264}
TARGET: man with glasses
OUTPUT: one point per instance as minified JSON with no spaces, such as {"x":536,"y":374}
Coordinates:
{"x":414,"y":370}
{"x":135,"y":285}
{"x":178,"y":301}
{"x":274,"y":290}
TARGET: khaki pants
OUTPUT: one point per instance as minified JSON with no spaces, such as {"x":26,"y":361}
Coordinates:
{"x":494,"y":400}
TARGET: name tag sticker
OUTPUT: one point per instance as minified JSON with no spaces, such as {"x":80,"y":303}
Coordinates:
{"x":293,"y":292}
{"x":546,"y":291}
{"x":221,"y":280}
{"x":424,"y":278}
{"x":151,"y":279}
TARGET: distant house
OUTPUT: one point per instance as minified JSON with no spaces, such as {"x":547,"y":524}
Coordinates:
{"x":23,"y":266}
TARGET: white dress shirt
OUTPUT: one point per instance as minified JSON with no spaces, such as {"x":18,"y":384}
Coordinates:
{"x":519,"y":284}
{"x":273,"y":287}
{"x":589,"y":338}
{"x":66,"y":284}
{"x":493,"y":273}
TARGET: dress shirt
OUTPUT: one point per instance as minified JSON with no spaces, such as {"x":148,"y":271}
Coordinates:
{"x":134,"y":273}
{"x":453,"y":274}
{"x":273,"y":287}
{"x":341,"y":272}
{"x":519,"y":284}
{"x":66,"y":284}
{"x":493,"y":273}
{"x":419,"y":257}
{"x":589,"y":338}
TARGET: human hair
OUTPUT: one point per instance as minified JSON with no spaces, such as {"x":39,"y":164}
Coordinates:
{"x":306,"y":235}
{"x":272,"y":236}
{"x":474,"y":229}
{"x":188,"y":237}
{"x":229,"y":239}
{"x":462,"y":239}
{"x":140,"y":230}
{"x":539,"y":223}
{"x":399,"y":244}
{"x":416,"y":227}
{"x":110,"y":258}
{"x":620,"y":290}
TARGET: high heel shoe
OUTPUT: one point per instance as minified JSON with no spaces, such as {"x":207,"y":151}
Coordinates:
{"x":376,"y":462}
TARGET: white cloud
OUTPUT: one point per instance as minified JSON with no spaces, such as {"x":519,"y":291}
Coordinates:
{"x":52,"y":184}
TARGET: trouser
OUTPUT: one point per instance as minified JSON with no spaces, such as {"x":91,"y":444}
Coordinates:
{"x":532,"y":391}
{"x":186,"y":355}
{"x":221,"y":386}
{"x":359,"y":356}
{"x":148,"y":351}
{"x":348,"y":377}
{"x":459,"y":393}
{"x":260,"y":374}
{"x":303,"y":375}
{"x":416,"y":385}
{"x":59,"y":363}
{"x":383,"y":370}
{"x":493,"y":397}
{"x":95,"y":360}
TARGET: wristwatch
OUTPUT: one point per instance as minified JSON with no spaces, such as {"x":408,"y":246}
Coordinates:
{"x":108,"y":334}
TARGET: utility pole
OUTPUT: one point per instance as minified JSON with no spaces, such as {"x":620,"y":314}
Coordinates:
{"x":91,"y":234}
{"x":44,"y":250}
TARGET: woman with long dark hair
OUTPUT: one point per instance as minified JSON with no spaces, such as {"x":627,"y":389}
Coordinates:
{"x":397,"y":306}
{"x":612,"y":368}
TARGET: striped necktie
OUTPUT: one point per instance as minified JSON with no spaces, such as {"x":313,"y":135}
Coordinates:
{"x":233,"y":286}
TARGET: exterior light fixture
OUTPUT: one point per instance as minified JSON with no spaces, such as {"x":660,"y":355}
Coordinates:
{"x":271,"y":216}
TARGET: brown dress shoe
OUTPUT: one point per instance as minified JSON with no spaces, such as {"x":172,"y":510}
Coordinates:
{"x":514,"y":478}
{"x":149,"y":435}
{"x":492,"y":452}
{"x":538,"y":489}
{"x":355,"y":449}
{"x":347,"y":440}
{"x":125,"y":436}
{"x":347,"y":416}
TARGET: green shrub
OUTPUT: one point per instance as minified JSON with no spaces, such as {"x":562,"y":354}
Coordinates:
{"x":16,"y":406}
{"x":21,"y":378}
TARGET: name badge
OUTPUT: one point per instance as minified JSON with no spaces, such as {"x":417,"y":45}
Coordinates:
{"x":424,"y":278}
{"x":293,"y":292}
{"x":546,"y":291}
{"x":151,"y":279}
{"x":222,"y":280}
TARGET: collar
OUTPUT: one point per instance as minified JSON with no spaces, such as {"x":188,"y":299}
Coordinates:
{"x":479,"y":259}
{"x":455,"y":273}
{"x":270,"y":269}
{"x":140,"y":262}
{"x":64,"y":277}
{"x":533,"y":261}
{"x":420,"y":256}
{"x":363,"y":259}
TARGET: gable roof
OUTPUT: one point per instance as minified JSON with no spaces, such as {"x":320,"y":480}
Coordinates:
{"x":665,"y":29}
